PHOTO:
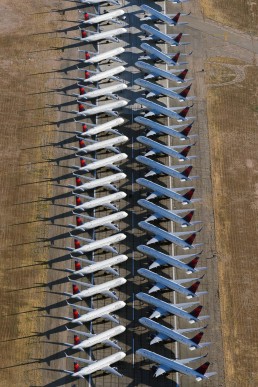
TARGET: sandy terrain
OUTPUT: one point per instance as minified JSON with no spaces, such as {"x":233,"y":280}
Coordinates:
{"x":24,"y":145}
{"x":232,"y":117}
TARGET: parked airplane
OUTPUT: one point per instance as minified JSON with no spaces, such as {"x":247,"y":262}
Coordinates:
{"x":159,"y":129}
{"x":96,"y":365}
{"x":158,"y":148}
{"x":161,"y":259}
{"x":158,"y":168}
{"x":104,"y":201}
{"x":98,"y":244}
{"x":107,"y":108}
{"x":92,"y":36}
{"x":163,"y":334}
{"x":165,"y":308}
{"x":163,"y":283}
{"x":177,"y":76}
{"x":164,"y":213}
{"x":167,"y":365}
{"x":105,"y":221}
{"x":102,"y":92}
{"x":99,"y":338}
{"x":96,"y":2}
{"x":156,"y":90}
{"x":175,"y":193}
{"x":100,"y":75}
{"x":175,"y":237}
{"x":157,"y":109}
{"x":107,"y":162}
{"x":102,"y":265}
{"x":96,"y":129}
{"x":92,"y":290}
{"x":102,"y":182}
{"x":105,"y":144}
{"x":93,"y":314}
{"x":111,"y":17}
{"x":159,"y":16}
{"x":111,"y":55}
{"x":157,"y":35}
{"x":157,"y":55}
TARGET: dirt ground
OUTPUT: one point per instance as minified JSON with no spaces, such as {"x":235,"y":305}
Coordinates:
{"x":25,"y":137}
{"x":232,"y":117}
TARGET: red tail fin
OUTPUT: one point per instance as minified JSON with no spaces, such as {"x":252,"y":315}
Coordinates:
{"x":78,"y":201}
{"x":77,"y":244}
{"x":84,"y":128}
{"x":178,"y":37}
{"x":78,"y":221}
{"x":176,"y":18}
{"x":203,"y":368}
{"x":86,"y":74}
{"x":87,"y":55}
{"x":76,"y":340}
{"x":75,"y":314}
{"x":184,"y":112}
{"x":76,"y":367}
{"x":77,"y":265}
{"x":84,"y":34}
{"x":189,"y":216}
{"x":187,"y":171}
{"x":196,"y":339}
{"x":78,"y":181}
{"x":82,"y":90}
{"x":182,"y":75}
{"x":188,"y":195}
{"x":81,"y":144}
{"x":186,"y":130}
{"x":185,"y":91}
{"x":81,"y":107}
{"x":83,"y":163}
{"x":194,"y":262}
{"x":193,"y":288}
{"x":196,"y":311}
{"x":190,"y":239}
{"x":176,"y":57}
{"x":75,"y":289}
{"x":86,"y":16}
{"x":185,"y":151}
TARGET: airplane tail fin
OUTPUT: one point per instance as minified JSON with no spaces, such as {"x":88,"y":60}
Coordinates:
{"x":191,"y":239}
{"x":188,"y":195}
{"x":83,"y":34}
{"x":81,"y":107}
{"x":76,"y":314}
{"x":176,"y":57}
{"x":76,"y":367}
{"x":203,"y":368}
{"x":196,"y":311}
{"x":187,"y":171}
{"x":193,"y":288}
{"x":178,"y":37}
{"x":176,"y":18}
{"x":182,"y":75}
{"x":194,"y":262}
{"x":185,"y":151}
{"x":186,"y":130}
{"x":77,"y":266}
{"x":77,"y":340}
{"x":197,"y":338}
{"x":76,"y":290}
{"x":184,"y":112}
{"x":185,"y":92}
{"x":189,"y":216}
